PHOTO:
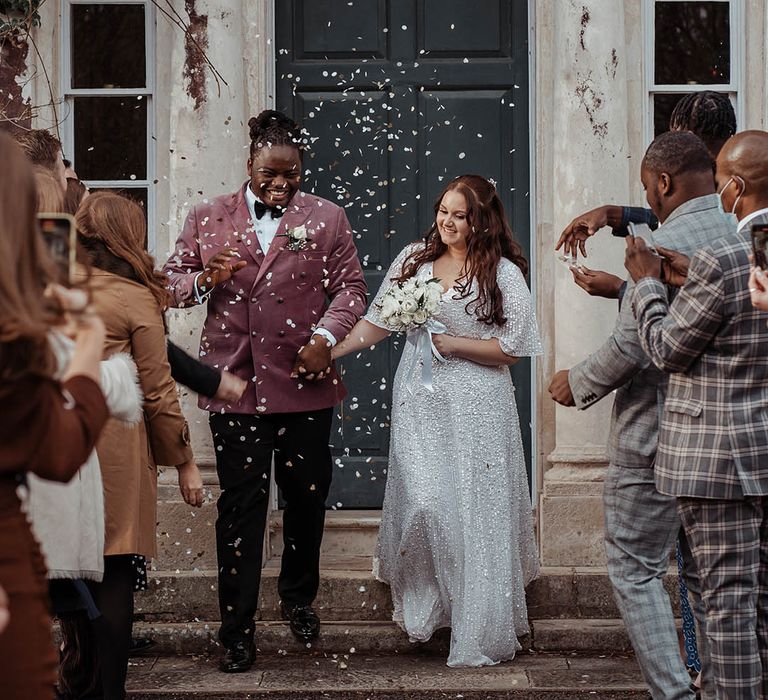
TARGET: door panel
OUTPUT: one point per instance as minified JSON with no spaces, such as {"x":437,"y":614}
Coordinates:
{"x":399,"y":97}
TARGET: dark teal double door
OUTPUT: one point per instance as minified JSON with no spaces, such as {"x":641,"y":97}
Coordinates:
{"x":398,"y":97}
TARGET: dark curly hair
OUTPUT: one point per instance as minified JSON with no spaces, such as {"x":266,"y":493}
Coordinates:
{"x":489,"y":240}
{"x":272,"y":128}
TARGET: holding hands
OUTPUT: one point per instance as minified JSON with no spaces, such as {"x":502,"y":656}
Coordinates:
{"x":313,"y":362}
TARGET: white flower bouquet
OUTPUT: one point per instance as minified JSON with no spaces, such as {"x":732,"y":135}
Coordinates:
{"x":406,"y":306}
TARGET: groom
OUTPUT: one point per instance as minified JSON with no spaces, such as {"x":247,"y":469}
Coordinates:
{"x":279,"y":272}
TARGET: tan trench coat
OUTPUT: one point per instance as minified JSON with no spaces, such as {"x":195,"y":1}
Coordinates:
{"x":129,"y":455}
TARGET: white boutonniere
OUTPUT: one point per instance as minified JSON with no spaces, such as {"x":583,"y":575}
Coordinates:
{"x":297,"y":238}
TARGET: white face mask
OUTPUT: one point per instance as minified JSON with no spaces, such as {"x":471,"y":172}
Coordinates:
{"x":720,"y":206}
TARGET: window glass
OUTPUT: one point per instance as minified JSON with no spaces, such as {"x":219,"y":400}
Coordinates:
{"x":111,"y":137}
{"x":108,"y":49}
{"x":693,"y":43}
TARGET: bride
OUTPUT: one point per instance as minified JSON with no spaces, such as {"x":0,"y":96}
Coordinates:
{"x":456,"y":543}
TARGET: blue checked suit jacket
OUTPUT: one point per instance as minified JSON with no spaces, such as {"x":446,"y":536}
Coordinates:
{"x":622,"y":365}
{"x":713,"y":441}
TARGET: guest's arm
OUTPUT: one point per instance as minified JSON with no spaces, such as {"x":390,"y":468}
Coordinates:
{"x":675,"y":336}
{"x":613,"y":364}
{"x":192,"y":373}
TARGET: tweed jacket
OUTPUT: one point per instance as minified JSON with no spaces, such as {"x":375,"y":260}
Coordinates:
{"x":259,"y":319}
{"x":622,"y":365}
{"x":713,"y":440}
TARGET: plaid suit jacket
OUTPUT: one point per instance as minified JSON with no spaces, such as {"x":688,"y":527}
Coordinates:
{"x":622,"y":365}
{"x":713,"y":440}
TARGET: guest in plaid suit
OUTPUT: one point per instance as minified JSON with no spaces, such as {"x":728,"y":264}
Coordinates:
{"x":642,"y":525}
{"x":713,"y":442}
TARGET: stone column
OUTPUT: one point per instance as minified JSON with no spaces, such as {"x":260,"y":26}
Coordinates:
{"x":585,"y":165}
{"x":203,"y":132}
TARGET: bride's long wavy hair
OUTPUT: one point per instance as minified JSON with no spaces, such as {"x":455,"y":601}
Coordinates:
{"x":490,"y":239}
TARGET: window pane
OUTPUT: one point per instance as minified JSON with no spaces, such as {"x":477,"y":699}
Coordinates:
{"x":662,"y":111}
{"x":693,"y":43}
{"x":111,"y":138}
{"x":108,"y":46}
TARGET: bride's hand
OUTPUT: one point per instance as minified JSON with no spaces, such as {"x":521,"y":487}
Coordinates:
{"x":445,"y":344}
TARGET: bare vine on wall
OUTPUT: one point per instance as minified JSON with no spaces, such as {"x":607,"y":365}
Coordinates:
{"x":17,"y":20}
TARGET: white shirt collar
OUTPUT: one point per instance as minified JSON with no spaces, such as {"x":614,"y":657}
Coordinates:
{"x":745,"y":221}
{"x":250,"y":200}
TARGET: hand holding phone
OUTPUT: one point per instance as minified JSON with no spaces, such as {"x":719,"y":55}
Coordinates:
{"x":759,"y":244}
{"x":60,"y":235}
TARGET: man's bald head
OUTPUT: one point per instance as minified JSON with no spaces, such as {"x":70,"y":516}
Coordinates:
{"x":742,"y":173}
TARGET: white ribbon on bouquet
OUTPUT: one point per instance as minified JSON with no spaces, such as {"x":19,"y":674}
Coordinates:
{"x":421,"y":339}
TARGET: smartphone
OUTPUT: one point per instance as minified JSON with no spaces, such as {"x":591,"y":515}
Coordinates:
{"x":60,"y":236}
{"x":760,"y":244}
{"x":643,"y":231}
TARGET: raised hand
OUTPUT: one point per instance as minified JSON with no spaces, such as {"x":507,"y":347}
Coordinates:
{"x":674,"y":266}
{"x":219,"y":269}
{"x":597,"y":283}
{"x":313,"y":361}
{"x":575,"y":234}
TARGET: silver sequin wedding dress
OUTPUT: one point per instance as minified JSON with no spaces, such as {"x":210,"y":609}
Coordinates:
{"x":456,"y":543}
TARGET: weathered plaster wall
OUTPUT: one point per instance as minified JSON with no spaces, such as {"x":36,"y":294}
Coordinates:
{"x":204,"y":123}
{"x":584,"y":158}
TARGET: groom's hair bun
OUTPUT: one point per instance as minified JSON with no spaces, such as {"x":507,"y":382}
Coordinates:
{"x":273,"y":128}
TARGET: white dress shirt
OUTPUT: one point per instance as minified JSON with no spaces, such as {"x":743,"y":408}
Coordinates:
{"x":745,"y":221}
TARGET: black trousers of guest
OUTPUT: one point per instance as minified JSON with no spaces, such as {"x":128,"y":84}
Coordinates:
{"x":244,"y":447}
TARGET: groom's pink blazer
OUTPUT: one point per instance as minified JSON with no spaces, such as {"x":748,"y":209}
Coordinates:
{"x":259,"y":319}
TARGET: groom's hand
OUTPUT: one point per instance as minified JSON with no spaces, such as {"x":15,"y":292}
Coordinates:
{"x":313,"y":361}
{"x":219,"y":269}
{"x":560,"y":388}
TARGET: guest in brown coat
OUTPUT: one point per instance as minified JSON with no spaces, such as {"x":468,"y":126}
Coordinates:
{"x":131,"y":298}
{"x":46,"y":427}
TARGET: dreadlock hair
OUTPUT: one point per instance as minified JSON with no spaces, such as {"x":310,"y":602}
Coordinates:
{"x":489,"y":240}
{"x":707,"y":114}
{"x":272,"y":128}
{"x":678,"y":153}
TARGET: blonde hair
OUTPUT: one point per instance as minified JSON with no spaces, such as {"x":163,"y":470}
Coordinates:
{"x":50,"y":196}
{"x":25,"y":270}
{"x":119,"y":223}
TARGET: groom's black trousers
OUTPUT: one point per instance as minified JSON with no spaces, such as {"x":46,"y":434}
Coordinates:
{"x":244,"y":447}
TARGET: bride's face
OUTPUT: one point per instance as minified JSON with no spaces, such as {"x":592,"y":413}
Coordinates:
{"x":452,"y":222}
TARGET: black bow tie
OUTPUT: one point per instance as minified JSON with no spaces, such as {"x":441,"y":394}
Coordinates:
{"x":259,"y":209}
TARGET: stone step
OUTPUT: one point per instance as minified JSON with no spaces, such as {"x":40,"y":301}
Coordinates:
{"x":388,"y":677}
{"x":378,"y":637}
{"x":348,"y":591}
{"x":351,"y":533}
{"x":186,"y":537}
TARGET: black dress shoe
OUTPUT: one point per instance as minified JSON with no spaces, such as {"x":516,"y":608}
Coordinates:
{"x":238,"y":658}
{"x":305,"y":624}
{"x":140,"y":645}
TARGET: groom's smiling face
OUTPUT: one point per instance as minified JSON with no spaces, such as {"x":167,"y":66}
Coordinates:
{"x":275,"y":173}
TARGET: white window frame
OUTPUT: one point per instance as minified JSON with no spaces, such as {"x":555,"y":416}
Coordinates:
{"x":738,"y":58}
{"x":148,"y":93}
